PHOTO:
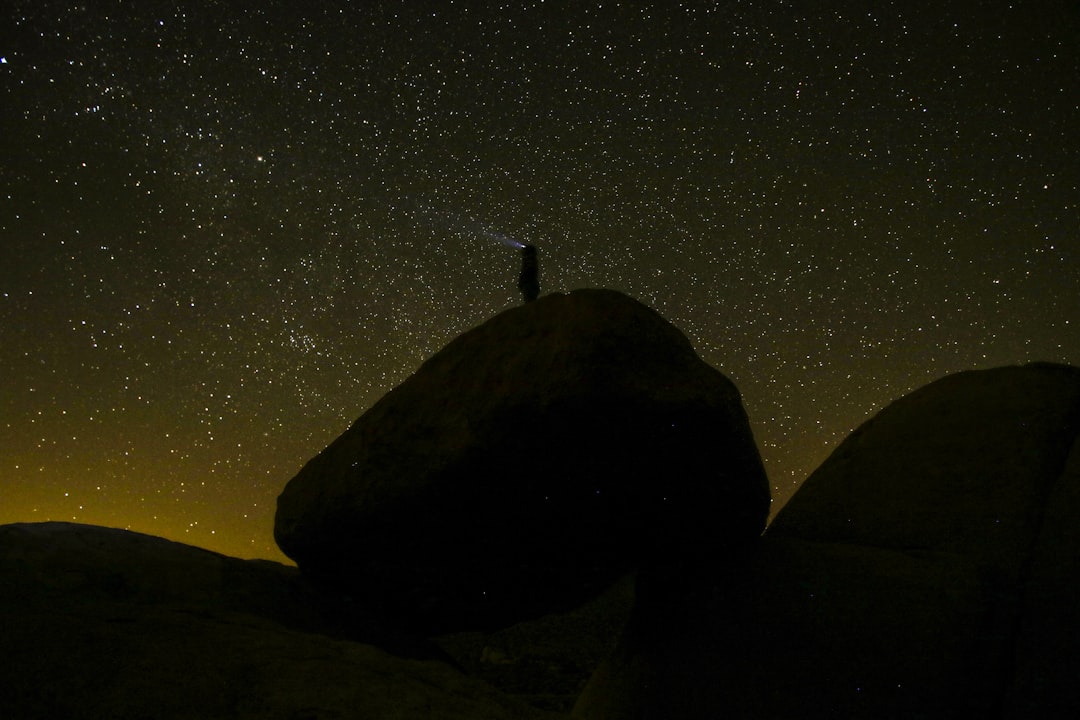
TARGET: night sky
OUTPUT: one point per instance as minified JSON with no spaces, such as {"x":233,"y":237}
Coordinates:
{"x":227,"y":232}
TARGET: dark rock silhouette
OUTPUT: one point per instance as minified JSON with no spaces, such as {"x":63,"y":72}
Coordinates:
{"x":529,"y":280}
{"x":547,"y":661}
{"x":527,"y":465}
{"x":927,"y":569}
{"x":103,"y":623}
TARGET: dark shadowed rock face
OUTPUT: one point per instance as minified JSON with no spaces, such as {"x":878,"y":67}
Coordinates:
{"x":927,"y":569}
{"x":965,"y":465}
{"x":527,"y":465}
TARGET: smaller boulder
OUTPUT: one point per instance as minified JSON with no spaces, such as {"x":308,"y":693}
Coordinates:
{"x":963,"y":465}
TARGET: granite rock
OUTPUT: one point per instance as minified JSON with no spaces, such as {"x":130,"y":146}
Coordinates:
{"x":527,"y":465}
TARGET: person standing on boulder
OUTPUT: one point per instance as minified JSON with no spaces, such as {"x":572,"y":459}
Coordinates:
{"x":529,"y":280}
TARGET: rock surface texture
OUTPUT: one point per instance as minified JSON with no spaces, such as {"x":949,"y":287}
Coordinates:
{"x":102,"y":623}
{"x":527,"y":465}
{"x":927,"y":569}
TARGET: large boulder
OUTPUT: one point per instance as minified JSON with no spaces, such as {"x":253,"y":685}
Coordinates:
{"x":527,"y":465}
{"x":104,"y":623}
{"x":926,"y":569}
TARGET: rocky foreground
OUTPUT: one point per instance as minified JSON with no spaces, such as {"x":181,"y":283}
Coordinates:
{"x":102,"y":623}
{"x":560,"y":515}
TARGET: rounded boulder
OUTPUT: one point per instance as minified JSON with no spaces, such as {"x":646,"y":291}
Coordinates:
{"x":527,"y":465}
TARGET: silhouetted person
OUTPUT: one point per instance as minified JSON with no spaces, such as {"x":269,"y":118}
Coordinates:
{"x":529,"y":281}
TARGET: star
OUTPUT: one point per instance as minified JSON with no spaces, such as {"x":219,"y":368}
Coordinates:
{"x":217,"y":258}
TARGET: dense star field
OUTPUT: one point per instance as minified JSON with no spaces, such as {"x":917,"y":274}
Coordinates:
{"x":228,"y":231}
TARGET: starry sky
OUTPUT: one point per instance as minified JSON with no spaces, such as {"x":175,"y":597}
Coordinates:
{"x":230,"y":228}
